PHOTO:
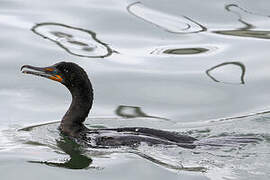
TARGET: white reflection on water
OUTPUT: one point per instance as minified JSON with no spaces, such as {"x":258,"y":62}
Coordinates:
{"x":165,"y":21}
{"x":16,"y":21}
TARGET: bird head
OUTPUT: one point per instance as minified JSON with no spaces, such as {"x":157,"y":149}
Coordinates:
{"x":68,"y":73}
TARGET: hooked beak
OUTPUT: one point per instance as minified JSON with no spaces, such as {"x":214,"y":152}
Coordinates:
{"x":48,"y":72}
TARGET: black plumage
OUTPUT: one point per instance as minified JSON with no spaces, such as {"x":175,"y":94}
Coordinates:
{"x":76,"y":80}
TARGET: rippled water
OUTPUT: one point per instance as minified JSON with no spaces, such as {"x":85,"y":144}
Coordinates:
{"x":200,"y":68}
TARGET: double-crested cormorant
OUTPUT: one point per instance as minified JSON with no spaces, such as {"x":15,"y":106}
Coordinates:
{"x":76,"y":80}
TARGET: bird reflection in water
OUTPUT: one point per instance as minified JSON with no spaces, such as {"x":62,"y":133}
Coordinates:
{"x":239,"y":64}
{"x":76,"y":41}
{"x":76,"y":161}
{"x":248,"y":29}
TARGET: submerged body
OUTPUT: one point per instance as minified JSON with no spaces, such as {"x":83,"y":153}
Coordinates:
{"x":133,"y":137}
{"x":76,"y":80}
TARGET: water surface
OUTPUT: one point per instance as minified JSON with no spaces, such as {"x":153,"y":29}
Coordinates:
{"x":192,"y":67}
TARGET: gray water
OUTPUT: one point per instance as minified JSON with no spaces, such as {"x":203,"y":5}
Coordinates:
{"x":200,"y":68}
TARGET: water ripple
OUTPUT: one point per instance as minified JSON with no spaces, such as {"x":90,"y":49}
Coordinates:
{"x":248,"y":29}
{"x":76,"y":41}
{"x":167,"y":22}
{"x":239,"y":64}
{"x":177,"y":50}
{"x":134,"y":112}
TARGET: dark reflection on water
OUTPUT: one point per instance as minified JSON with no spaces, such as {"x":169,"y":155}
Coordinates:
{"x":185,"y":51}
{"x":76,"y":41}
{"x":239,"y":64}
{"x":247,"y":30}
{"x":165,"y":21}
{"x":76,"y":161}
{"x":133,"y":112}
{"x":179,"y":51}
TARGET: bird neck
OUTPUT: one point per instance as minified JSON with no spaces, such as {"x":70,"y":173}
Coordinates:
{"x":82,"y":99}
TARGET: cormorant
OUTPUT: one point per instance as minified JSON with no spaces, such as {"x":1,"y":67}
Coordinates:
{"x":76,"y":80}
